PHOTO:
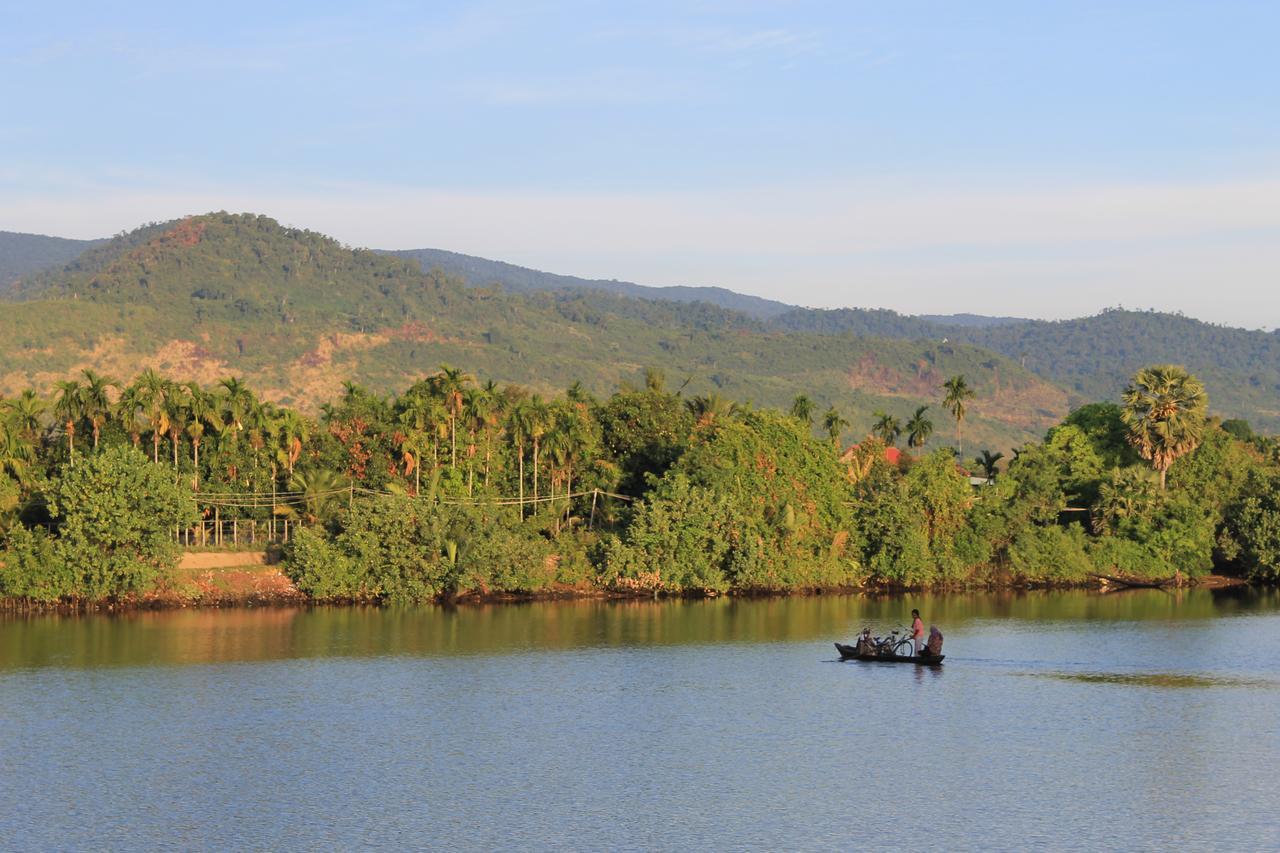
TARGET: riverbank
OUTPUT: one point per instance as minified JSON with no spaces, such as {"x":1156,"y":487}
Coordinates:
{"x":227,"y":579}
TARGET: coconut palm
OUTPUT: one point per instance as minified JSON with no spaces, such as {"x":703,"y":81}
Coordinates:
{"x":886,"y":428}
{"x":802,"y":410}
{"x":834,"y":424}
{"x":1164,"y":409}
{"x":97,"y":401}
{"x":127,"y":410}
{"x":292,"y":432}
{"x":68,"y":409}
{"x":957,"y":392}
{"x":989,"y":463}
{"x":919,"y":428}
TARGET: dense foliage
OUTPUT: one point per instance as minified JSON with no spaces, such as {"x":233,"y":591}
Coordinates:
{"x":456,"y":487}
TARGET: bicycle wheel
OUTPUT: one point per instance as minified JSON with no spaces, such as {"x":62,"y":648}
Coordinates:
{"x":905,"y":648}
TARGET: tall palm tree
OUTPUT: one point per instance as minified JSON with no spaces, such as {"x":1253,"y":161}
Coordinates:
{"x":487,"y":409}
{"x":177,"y":411}
{"x":540,"y":421}
{"x":16,"y":453}
{"x":450,"y":383}
{"x":802,"y":410}
{"x":68,"y":408}
{"x":97,"y":401}
{"x":292,"y":432}
{"x":154,"y":391}
{"x":236,"y":401}
{"x":834,"y":424}
{"x":957,"y":393}
{"x":886,"y":428}
{"x":202,"y":411}
{"x":919,"y":428}
{"x":1164,"y":409}
{"x":989,"y":463}
{"x":127,"y":409}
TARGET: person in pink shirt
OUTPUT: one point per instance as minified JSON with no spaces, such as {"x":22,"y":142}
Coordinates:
{"x":917,"y":630}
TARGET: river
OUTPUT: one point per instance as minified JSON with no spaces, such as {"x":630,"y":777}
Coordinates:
{"x":1135,"y":720}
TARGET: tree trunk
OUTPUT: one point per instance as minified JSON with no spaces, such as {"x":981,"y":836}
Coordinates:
{"x":71,"y":442}
{"x":535,"y":474}
{"x":195,"y":460}
{"x":520,"y":455}
{"x":155,"y":448}
{"x":453,"y":442}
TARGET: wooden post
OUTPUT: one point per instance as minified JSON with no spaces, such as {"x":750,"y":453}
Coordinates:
{"x":217,"y":527}
{"x":592,"y":523}
{"x":235,"y":533}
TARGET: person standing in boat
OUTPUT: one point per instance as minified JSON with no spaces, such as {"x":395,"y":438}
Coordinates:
{"x":917,"y":630}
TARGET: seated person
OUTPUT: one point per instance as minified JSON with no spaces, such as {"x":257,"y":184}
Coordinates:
{"x":934,"y":646}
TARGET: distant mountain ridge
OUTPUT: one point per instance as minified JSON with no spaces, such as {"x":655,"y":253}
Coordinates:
{"x":1091,"y":357}
{"x":23,"y":254}
{"x":482,"y":272}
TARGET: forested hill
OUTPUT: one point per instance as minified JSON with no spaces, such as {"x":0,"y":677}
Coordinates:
{"x":23,"y":254}
{"x":481,"y":272}
{"x":1094,"y":356}
{"x":297,"y":314}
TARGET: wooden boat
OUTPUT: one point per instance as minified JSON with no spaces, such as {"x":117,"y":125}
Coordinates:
{"x":926,"y":659}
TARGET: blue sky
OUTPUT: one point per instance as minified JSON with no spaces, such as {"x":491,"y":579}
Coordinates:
{"x":1041,"y":159}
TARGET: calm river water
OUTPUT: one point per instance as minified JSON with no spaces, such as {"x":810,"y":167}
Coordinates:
{"x":1135,"y":720}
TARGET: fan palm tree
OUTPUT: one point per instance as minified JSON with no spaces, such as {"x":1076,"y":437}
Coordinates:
{"x":989,"y":463}
{"x":834,"y":424}
{"x":68,"y":408}
{"x":802,"y":410}
{"x":16,"y":453}
{"x":1164,"y":409}
{"x":919,"y":428}
{"x":97,"y":401}
{"x":886,"y":428}
{"x":957,"y":393}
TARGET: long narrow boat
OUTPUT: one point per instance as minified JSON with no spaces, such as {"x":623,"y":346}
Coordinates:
{"x":851,"y":653}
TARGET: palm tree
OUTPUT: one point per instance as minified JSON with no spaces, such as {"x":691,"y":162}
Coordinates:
{"x":989,"y":463}
{"x":202,"y":411}
{"x":486,"y":409}
{"x":26,"y":413}
{"x":237,"y":399}
{"x":321,"y":490}
{"x":802,"y":410}
{"x":540,"y":422}
{"x":16,"y":453}
{"x":68,"y":408}
{"x":154,"y":392}
{"x":292,"y":431}
{"x":450,"y":383}
{"x":957,"y":392}
{"x":1164,"y":408}
{"x":176,"y":411}
{"x":520,"y":428}
{"x":886,"y":428}
{"x":126,"y":412}
{"x":834,"y":424}
{"x":708,"y":409}
{"x":919,"y":428}
{"x":97,"y":401}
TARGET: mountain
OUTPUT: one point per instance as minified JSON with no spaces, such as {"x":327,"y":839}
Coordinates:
{"x":23,"y":254}
{"x":979,"y":321}
{"x":481,"y":272}
{"x":296,"y":314}
{"x":1093,"y":357}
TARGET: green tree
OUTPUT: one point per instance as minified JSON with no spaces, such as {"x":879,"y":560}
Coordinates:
{"x":919,"y":428}
{"x":834,"y":424}
{"x":96,"y":399}
{"x":1164,"y":409}
{"x":68,"y":408}
{"x":956,"y":395}
{"x":886,"y":428}
{"x":802,"y":410}
{"x":989,"y":463}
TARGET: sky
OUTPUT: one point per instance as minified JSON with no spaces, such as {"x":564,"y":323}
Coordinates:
{"x":1044,"y":159}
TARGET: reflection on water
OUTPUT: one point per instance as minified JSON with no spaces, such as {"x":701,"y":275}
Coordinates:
{"x":1139,"y":720}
